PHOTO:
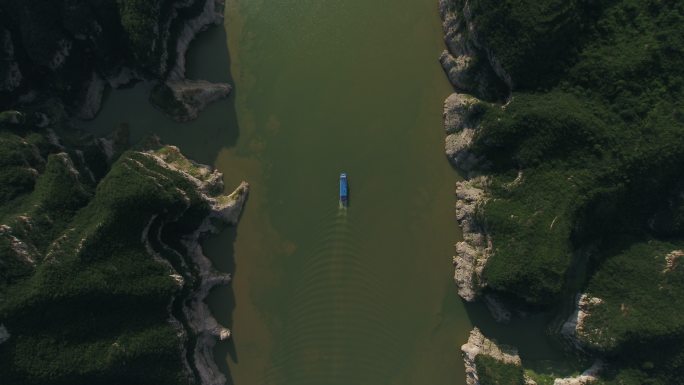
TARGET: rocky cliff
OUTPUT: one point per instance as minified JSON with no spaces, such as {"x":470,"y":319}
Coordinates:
{"x":76,"y":50}
{"x":562,"y":125}
{"x":102,"y":277}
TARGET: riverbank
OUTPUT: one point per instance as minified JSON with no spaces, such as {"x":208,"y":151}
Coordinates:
{"x":105,"y":219}
{"x":545,"y":221}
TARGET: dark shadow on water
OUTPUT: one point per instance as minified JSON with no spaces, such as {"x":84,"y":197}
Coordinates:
{"x":216,"y":128}
{"x":208,"y":58}
{"x":221,"y":299}
{"x":529,"y":334}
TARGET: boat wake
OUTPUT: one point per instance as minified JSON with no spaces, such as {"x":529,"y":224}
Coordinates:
{"x":334,"y":329}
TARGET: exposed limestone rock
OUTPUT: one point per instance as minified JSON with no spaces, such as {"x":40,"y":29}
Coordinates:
{"x":460,"y":122}
{"x":587,"y":377}
{"x":478,"y":344}
{"x":184,"y":99}
{"x":212,"y":14}
{"x":476,"y":40}
{"x":470,"y":66}
{"x":672,"y":260}
{"x":574,"y":328}
{"x":225,"y":209}
{"x":25,"y":252}
{"x":205,"y":326}
{"x":471,"y":253}
{"x":459,"y":112}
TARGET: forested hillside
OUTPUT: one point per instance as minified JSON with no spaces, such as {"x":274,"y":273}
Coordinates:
{"x":583,"y":159}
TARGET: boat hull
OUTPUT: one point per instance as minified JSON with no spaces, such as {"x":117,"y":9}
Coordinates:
{"x":344,"y":190}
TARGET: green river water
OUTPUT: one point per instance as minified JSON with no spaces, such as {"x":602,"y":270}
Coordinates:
{"x":322,"y":295}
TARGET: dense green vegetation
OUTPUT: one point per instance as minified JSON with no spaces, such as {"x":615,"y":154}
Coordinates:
{"x":601,"y":137}
{"x":59,"y":44}
{"x":585,"y":161}
{"x":140,"y":21}
{"x":637,"y":322}
{"x":491,"y":371}
{"x":82,"y":298}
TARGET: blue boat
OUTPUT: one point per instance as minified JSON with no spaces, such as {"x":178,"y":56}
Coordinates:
{"x":344,"y":190}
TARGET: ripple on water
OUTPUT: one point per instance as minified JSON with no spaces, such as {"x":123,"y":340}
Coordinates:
{"x":334,"y":331}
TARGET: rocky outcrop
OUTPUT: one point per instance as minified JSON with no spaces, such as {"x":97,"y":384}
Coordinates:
{"x":184,"y":99}
{"x":460,"y":119}
{"x":471,"y":253}
{"x":478,"y":344}
{"x":574,"y":329}
{"x":466,"y":64}
{"x":225,"y":209}
{"x":672,"y":259}
{"x":470,"y":66}
{"x":211,"y":14}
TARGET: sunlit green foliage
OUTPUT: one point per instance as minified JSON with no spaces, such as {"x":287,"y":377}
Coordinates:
{"x":491,"y":371}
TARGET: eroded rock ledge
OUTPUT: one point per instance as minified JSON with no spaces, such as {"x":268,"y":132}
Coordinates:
{"x":224,"y":209}
{"x":477,"y":345}
{"x":471,"y":70}
{"x":180,"y":98}
{"x":574,"y":327}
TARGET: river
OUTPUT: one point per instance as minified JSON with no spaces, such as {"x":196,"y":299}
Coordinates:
{"x":322,"y":295}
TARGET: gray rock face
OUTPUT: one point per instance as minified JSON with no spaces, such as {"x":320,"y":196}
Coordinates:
{"x":574,"y":329}
{"x":225,"y":209}
{"x":184,"y":99}
{"x":470,"y":66}
{"x":471,"y":253}
{"x":478,"y":344}
{"x":211,"y":14}
{"x":466,"y":64}
{"x":459,"y":110}
{"x":587,"y":377}
{"x":460,"y":123}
